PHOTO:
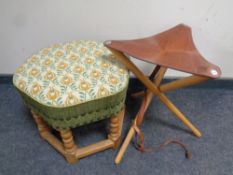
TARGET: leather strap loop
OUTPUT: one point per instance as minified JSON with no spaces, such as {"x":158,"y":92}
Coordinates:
{"x":140,"y":141}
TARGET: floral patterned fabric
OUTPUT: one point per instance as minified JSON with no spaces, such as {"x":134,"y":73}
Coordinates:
{"x":70,"y":74}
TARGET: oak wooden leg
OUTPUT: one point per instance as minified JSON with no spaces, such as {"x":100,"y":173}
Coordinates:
{"x":179,"y":114}
{"x":116,"y":123}
{"x":181,"y":83}
{"x":69,"y":145}
{"x":41,"y":125}
{"x":148,"y":95}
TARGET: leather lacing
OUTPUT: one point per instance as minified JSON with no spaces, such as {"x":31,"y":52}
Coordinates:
{"x":140,"y":144}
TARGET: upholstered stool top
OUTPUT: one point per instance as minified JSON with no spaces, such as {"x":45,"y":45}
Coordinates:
{"x":69,"y":75}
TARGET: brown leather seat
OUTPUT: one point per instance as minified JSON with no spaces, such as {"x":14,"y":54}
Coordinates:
{"x":173,"y":48}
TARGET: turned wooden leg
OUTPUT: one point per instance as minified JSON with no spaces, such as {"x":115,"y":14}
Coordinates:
{"x":69,"y":145}
{"x":116,"y":123}
{"x":41,"y":125}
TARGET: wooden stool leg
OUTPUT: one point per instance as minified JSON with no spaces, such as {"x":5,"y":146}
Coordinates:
{"x":69,"y":145}
{"x":158,"y":76}
{"x":131,"y":132}
{"x":179,"y":114}
{"x":116,"y":123}
{"x":41,"y":125}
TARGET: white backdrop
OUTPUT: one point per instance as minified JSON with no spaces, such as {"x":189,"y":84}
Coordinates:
{"x":27,"y":25}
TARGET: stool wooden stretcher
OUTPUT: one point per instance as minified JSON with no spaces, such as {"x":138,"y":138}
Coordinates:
{"x":67,"y":146}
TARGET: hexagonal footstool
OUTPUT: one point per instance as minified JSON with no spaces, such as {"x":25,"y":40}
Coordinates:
{"x":71,"y":85}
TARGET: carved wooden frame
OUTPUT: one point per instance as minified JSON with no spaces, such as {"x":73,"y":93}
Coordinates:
{"x":67,"y":146}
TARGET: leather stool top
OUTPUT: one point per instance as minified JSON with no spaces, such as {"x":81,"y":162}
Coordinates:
{"x":173,"y":48}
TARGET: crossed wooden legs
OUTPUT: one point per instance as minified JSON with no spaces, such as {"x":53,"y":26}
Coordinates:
{"x":154,"y":88}
{"x":69,"y":149}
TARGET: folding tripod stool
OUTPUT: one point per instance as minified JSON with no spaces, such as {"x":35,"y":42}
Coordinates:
{"x":173,"y":49}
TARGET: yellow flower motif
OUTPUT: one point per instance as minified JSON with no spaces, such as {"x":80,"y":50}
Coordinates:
{"x":52,"y":94}
{"x":62,"y":65}
{"x":22,"y":84}
{"x":104,"y":64}
{"x":33,"y":59}
{"x":83,"y":50}
{"x":66,"y":80}
{"x":78,"y":69}
{"x":59,"y":54}
{"x":69,"y":47}
{"x":47,"y":62}
{"x":73,"y":57}
{"x":85,"y":86}
{"x":89,"y":60}
{"x":49,"y":76}
{"x":102,"y":91}
{"x":34,"y":72}
{"x":113,"y":80}
{"x":71,"y":99}
{"x":98,"y":53}
{"x":20,"y":69}
{"x":95,"y":74}
{"x":45,"y":52}
{"x":121,"y":71}
{"x":36,"y":88}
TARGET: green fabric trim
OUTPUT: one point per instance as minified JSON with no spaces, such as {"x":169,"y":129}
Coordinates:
{"x":86,"y":118}
{"x":80,"y":114}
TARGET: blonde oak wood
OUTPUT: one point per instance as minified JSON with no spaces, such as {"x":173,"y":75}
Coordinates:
{"x":149,"y":95}
{"x":157,"y":90}
{"x":67,"y":146}
{"x":154,"y":75}
{"x":181,"y":83}
{"x":177,"y":84}
{"x":94,"y":148}
{"x":57,"y":144}
{"x":114,"y":127}
{"x":177,"y":112}
{"x":123,"y":59}
{"x":116,"y":123}
{"x":121,"y":121}
{"x":68,"y":140}
{"x":45,"y":133}
{"x":41,"y":125}
{"x":124,"y":146}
